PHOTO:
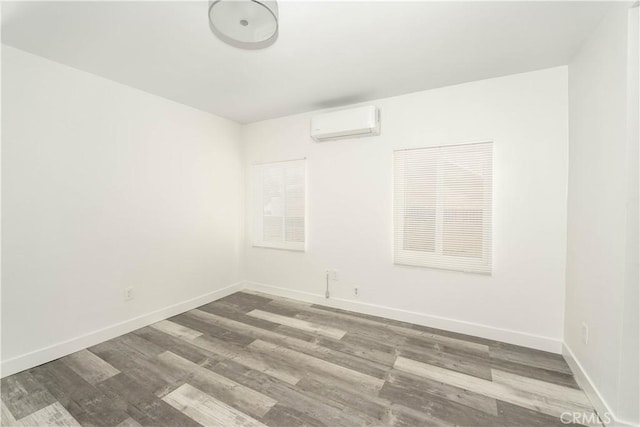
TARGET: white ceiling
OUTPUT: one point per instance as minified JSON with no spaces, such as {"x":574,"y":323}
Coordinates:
{"x":327,"y":54}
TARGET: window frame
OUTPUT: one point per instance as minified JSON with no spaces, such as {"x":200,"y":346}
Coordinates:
{"x":258,"y":209}
{"x":437,"y":259}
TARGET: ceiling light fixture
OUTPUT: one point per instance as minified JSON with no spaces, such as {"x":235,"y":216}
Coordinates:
{"x":247,"y":24}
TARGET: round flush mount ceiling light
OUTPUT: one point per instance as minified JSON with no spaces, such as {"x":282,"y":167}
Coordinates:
{"x":247,"y":24}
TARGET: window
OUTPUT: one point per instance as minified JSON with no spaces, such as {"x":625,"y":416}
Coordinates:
{"x":442,"y":207}
{"x":279,"y":205}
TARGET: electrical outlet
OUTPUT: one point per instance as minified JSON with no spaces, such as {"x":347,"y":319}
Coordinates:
{"x":334,"y":275}
{"x":355,"y":291}
{"x":585,"y":333}
{"x":128,"y":294}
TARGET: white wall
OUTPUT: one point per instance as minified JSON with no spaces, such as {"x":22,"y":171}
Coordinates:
{"x":106,"y":187}
{"x":629,"y":370}
{"x":350,"y":210}
{"x":602,"y":241}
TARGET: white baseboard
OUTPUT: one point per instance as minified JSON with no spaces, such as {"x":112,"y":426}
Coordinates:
{"x":586,"y":384}
{"x":468,"y":328}
{"x":47,"y":354}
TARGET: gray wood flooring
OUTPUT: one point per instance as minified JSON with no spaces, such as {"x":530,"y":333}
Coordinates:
{"x":253,"y":359}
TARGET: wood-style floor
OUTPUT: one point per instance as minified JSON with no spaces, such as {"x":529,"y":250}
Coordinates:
{"x":253,"y":359}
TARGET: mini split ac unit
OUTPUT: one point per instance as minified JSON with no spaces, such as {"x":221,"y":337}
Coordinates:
{"x":352,"y":123}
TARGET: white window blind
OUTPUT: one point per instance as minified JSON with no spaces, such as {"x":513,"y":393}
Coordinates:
{"x":442,"y":207}
{"x":279,"y":205}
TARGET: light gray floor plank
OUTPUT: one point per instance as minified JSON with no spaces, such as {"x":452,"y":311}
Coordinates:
{"x":7,"y":418}
{"x":311,"y":348}
{"x":283,"y":416}
{"x":575,"y":399}
{"x":310,"y":406}
{"x":517,"y":396}
{"x":244,"y":356}
{"x":252,"y":331}
{"x":90,"y":367}
{"x":472,"y":365}
{"x":206,"y":410}
{"x":218,"y":386}
{"x":402,"y":416}
{"x":231,"y":311}
{"x":206,"y":327}
{"x":52,"y":415}
{"x":249,"y":359}
{"x":347,"y":394}
{"x":178,"y":331}
{"x":366,"y":382}
{"x":379,"y":329}
{"x":409,"y":385}
{"x":513,"y":415}
{"x":323,"y":330}
{"x":247,"y":300}
{"x":529,"y":357}
{"x":129,"y":422}
{"x":179,"y":346}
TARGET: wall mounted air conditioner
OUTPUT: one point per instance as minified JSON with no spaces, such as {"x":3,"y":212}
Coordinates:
{"x":351,"y":123}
